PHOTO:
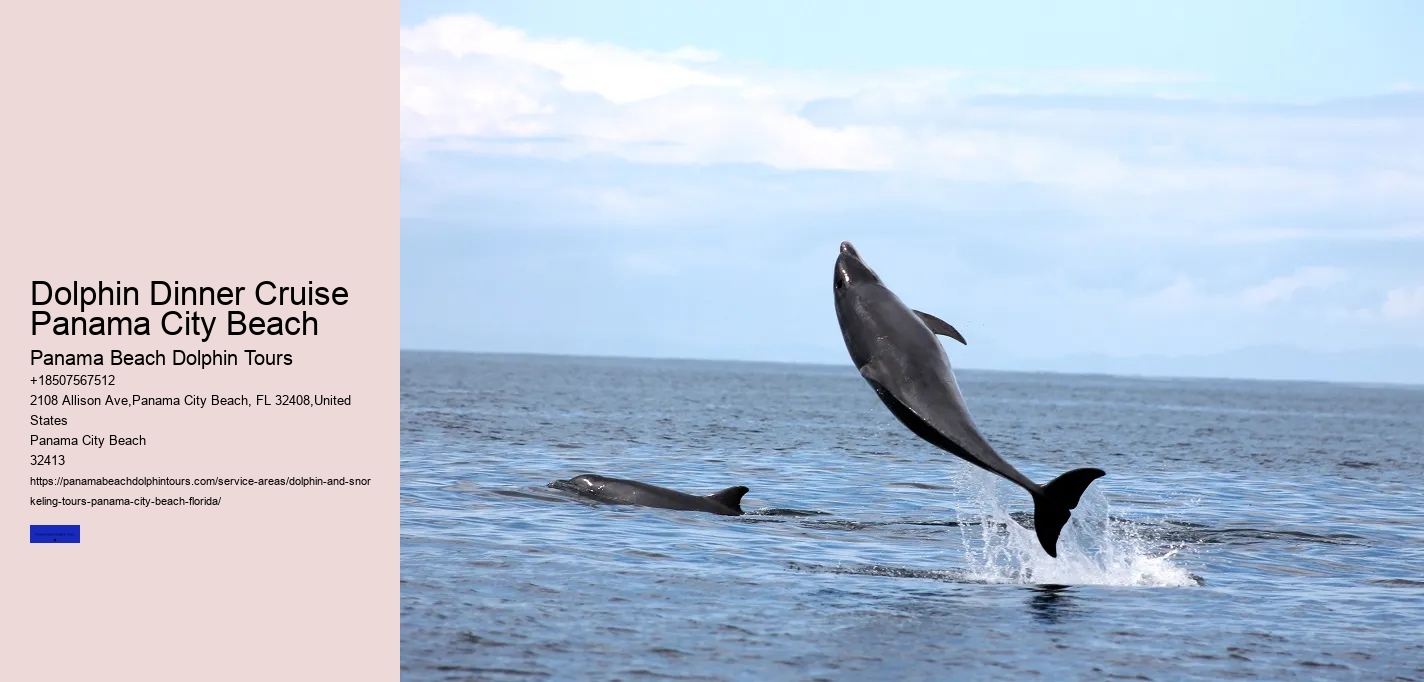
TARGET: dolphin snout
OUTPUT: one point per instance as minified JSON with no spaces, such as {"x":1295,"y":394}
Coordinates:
{"x":850,"y":269}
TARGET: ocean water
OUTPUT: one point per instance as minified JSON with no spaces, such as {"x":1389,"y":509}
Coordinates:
{"x":1245,"y":529}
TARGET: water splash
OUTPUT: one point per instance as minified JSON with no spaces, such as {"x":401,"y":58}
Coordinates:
{"x":1092,"y":550}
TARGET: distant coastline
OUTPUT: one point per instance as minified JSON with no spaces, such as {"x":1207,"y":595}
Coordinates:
{"x":1196,"y":367}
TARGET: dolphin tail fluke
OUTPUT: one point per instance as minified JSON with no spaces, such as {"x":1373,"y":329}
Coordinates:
{"x":1054,"y":505}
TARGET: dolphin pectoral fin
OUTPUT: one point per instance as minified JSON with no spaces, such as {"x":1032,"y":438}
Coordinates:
{"x":941,"y":327}
{"x":731,"y":497}
{"x":881,"y":381}
{"x":872,"y":373}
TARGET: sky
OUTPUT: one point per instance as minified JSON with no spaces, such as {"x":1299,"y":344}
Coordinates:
{"x":1219,"y":189}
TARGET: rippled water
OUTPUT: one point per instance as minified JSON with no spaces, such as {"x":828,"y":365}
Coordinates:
{"x":1245,"y":529}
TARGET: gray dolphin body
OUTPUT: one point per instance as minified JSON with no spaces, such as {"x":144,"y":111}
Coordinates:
{"x":622,"y":491}
{"x":896,"y":351}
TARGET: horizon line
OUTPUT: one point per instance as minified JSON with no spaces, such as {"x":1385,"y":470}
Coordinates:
{"x":1364,"y":384}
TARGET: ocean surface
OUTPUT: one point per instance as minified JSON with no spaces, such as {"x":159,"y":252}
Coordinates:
{"x":1245,"y":529}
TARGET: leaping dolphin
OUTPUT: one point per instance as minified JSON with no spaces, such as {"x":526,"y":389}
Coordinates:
{"x":896,"y":351}
{"x":622,"y":491}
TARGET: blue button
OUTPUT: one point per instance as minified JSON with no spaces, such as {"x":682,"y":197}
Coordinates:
{"x":54,"y":534}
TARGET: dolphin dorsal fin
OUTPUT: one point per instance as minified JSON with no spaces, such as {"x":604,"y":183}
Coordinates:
{"x":731,"y":497}
{"x":941,"y":327}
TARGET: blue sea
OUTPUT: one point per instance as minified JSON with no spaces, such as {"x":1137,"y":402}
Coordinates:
{"x":1245,"y":529}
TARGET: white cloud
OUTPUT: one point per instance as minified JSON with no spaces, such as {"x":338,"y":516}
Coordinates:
{"x":1093,"y":209}
{"x":1089,"y":138}
{"x":614,"y":73}
{"x":1282,"y":288}
{"x":485,"y":86}
{"x":1404,"y":303}
{"x":1185,"y":297}
{"x":1361,"y":233}
{"x":1181,"y":296}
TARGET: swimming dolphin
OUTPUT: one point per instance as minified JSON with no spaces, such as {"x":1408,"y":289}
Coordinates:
{"x":622,"y":491}
{"x":896,"y":351}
